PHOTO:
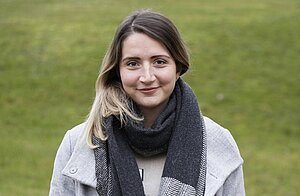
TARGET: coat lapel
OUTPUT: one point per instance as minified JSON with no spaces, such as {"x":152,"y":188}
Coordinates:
{"x":81,"y":166}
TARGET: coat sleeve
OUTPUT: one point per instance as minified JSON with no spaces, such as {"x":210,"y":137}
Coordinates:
{"x":234,"y":184}
{"x":62,"y":185}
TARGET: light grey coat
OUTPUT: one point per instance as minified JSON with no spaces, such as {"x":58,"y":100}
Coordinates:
{"x":74,"y":166}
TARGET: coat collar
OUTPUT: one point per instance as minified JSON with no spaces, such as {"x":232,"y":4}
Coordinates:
{"x":81,"y":165}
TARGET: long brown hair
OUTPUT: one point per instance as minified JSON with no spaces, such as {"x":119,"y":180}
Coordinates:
{"x":110,"y":97}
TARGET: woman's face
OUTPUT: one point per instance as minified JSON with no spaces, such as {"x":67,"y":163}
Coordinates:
{"x":148,"y":71}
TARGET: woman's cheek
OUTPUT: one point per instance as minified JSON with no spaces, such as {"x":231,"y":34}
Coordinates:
{"x":128,"y":78}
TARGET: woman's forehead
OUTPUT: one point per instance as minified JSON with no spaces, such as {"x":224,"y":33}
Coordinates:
{"x":139,"y":45}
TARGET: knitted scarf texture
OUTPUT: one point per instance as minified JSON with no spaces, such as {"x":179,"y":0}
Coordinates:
{"x":179,"y":131}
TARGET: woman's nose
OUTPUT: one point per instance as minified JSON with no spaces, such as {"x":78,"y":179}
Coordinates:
{"x":147,"y":74}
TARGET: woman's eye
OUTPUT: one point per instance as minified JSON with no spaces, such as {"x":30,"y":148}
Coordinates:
{"x":132,"y":64}
{"x":160,"y":62}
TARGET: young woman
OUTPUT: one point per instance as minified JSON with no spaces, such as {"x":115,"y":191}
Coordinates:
{"x":145,"y":134}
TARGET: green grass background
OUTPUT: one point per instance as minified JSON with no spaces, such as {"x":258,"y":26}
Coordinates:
{"x":245,"y":71}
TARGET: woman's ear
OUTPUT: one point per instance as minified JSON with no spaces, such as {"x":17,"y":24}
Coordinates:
{"x":177,"y":75}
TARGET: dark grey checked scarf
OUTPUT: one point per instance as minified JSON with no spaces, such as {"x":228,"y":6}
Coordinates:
{"x":179,"y":131}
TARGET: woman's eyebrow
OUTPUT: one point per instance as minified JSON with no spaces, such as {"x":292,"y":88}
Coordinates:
{"x":162,"y":55}
{"x":138,"y":58}
{"x":130,"y":58}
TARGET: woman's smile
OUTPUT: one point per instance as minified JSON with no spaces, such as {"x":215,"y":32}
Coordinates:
{"x":148,"y":90}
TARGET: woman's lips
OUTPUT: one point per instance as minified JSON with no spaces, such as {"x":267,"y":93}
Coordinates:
{"x":149,"y":90}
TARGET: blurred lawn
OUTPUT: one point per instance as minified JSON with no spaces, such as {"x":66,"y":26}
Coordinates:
{"x":245,"y":71}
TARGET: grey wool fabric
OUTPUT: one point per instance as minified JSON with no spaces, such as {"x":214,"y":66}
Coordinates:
{"x":179,"y":131}
{"x":74,"y":166}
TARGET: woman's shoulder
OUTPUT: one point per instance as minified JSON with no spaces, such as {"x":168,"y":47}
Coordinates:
{"x":73,"y":136}
{"x":223,"y":155}
{"x":219,"y":136}
{"x":77,"y":131}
